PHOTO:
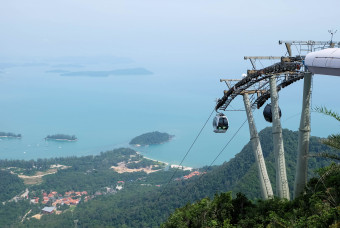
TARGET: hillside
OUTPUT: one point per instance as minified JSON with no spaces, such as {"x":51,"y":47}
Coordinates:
{"x":318,"y":207}
{"x":143,"y":207}
{"x":11,"y":185}
{"x":241,"y":172}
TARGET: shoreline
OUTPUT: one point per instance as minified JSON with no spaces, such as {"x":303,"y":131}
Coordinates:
{"x":5,"y":136}
{"x":167,"y":163}
{"x":67,"y":140}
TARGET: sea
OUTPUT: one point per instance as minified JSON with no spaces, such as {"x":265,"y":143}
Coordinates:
{"x":106,"y":112}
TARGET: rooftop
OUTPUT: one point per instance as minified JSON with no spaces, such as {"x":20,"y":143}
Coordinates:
{"x":48,"y":209}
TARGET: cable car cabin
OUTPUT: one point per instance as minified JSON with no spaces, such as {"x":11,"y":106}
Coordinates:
{"x":220,"y":123}
{"x":267,"y":113}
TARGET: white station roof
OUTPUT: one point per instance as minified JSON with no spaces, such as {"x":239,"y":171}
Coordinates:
{"x":326,"y":61}
{"x":48,"y":209}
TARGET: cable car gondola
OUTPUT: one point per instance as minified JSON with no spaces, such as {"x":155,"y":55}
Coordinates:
{"x":220,"y":123}
{"x":267,"y":113}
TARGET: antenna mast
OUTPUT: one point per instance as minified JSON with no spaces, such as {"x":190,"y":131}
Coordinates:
{"x":332,"y":32}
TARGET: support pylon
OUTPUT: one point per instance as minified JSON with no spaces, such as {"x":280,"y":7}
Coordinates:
{"x":282,"y":189}
{"x":266,"y":188}
{"x":304,"y":134}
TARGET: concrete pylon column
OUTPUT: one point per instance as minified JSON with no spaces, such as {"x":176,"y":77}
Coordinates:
{"x":304,"y":134}
{"x":266,"y":188}
{"x":282,"y":189}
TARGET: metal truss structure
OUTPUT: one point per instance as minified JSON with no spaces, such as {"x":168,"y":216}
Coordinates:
{"x":265,"y":83}
{"x":287,"y":71}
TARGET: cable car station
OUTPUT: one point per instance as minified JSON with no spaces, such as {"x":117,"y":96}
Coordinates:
{"x":258,"y":85}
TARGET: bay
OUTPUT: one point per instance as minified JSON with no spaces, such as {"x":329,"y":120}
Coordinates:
{"x":107,"y":112}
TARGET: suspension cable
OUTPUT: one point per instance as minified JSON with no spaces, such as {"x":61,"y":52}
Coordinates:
{"x":211,"y":164}
{"x":186,"y":153}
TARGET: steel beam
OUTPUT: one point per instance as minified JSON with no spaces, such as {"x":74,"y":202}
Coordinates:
{"x":266,"y":188}
{"x":262,"y":57}
{"x":304,"y":134}
{"x":282,"y":189}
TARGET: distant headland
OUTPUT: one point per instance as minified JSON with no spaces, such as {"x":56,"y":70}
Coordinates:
{"x":151,"y":138}
{"x":120,"y":72}
{"x":9,"y":135}
{"x":61,"y":137}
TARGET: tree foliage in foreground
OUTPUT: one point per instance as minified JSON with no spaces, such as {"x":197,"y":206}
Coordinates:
{"x":319,"y":207}
{"x":334,"y":139}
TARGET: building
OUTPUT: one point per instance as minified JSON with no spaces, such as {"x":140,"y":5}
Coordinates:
{"x":48,"y":210}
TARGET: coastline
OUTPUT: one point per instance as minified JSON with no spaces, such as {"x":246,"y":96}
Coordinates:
{"x":5,"y":136}
{"x":67,"y":140}
{"x":167,"y":163}
{"x":140,"y":153}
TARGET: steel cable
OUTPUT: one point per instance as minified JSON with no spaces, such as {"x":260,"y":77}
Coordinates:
{"x":186,"y":153}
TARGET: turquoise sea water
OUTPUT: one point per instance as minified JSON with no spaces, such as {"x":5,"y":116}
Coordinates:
{"x":107,"y":112}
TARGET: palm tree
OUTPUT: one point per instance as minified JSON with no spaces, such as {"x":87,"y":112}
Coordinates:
{"x":332,"y":140}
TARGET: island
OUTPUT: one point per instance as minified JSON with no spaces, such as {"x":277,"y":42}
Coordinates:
{"x":61,"y":137}
{"x":151,"y":138}
{"x":9,"y":135}
{"x":119,"y":72}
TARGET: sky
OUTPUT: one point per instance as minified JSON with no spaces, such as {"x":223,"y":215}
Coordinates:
{"x":197,"y":42}
{"x":172,"y":33}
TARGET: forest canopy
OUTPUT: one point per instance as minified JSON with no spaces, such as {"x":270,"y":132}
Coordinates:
{"x":9,"y":134}
{"x":150,"y":138}
{"x":62,"y":137}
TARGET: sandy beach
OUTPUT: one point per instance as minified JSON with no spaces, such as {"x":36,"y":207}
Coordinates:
{"x":171,"y":165}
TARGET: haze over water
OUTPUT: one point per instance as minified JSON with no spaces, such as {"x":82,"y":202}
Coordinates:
{"x":107,"y":112}
{"x":187,"y":53}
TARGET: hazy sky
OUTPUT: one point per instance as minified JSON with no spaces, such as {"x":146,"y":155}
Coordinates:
{"x":188,"y":44}
{"x":161,"y":30}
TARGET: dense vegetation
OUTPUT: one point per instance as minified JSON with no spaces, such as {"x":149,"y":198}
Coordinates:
{"x":10,"y":186}
{"x":14,"y":211}
{"x":27,"y":167}
{"x":144,"y":206}
{"x":88,"y":173}
{"x":145,"y":163}
{"x":151,"y":138}
{"x":62,"y":137}
{"x":247,"y":168}
{"x":317,"y":208}
{"x":9,"y":134}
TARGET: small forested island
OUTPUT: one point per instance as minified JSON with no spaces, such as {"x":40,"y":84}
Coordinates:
{"x":151,"y":138}
{"x":104,"y":73}
{"x":61,"y":137}
{"x":9,"y":135}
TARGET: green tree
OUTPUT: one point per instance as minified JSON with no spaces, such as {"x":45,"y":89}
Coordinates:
{"x":332,"y":140}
